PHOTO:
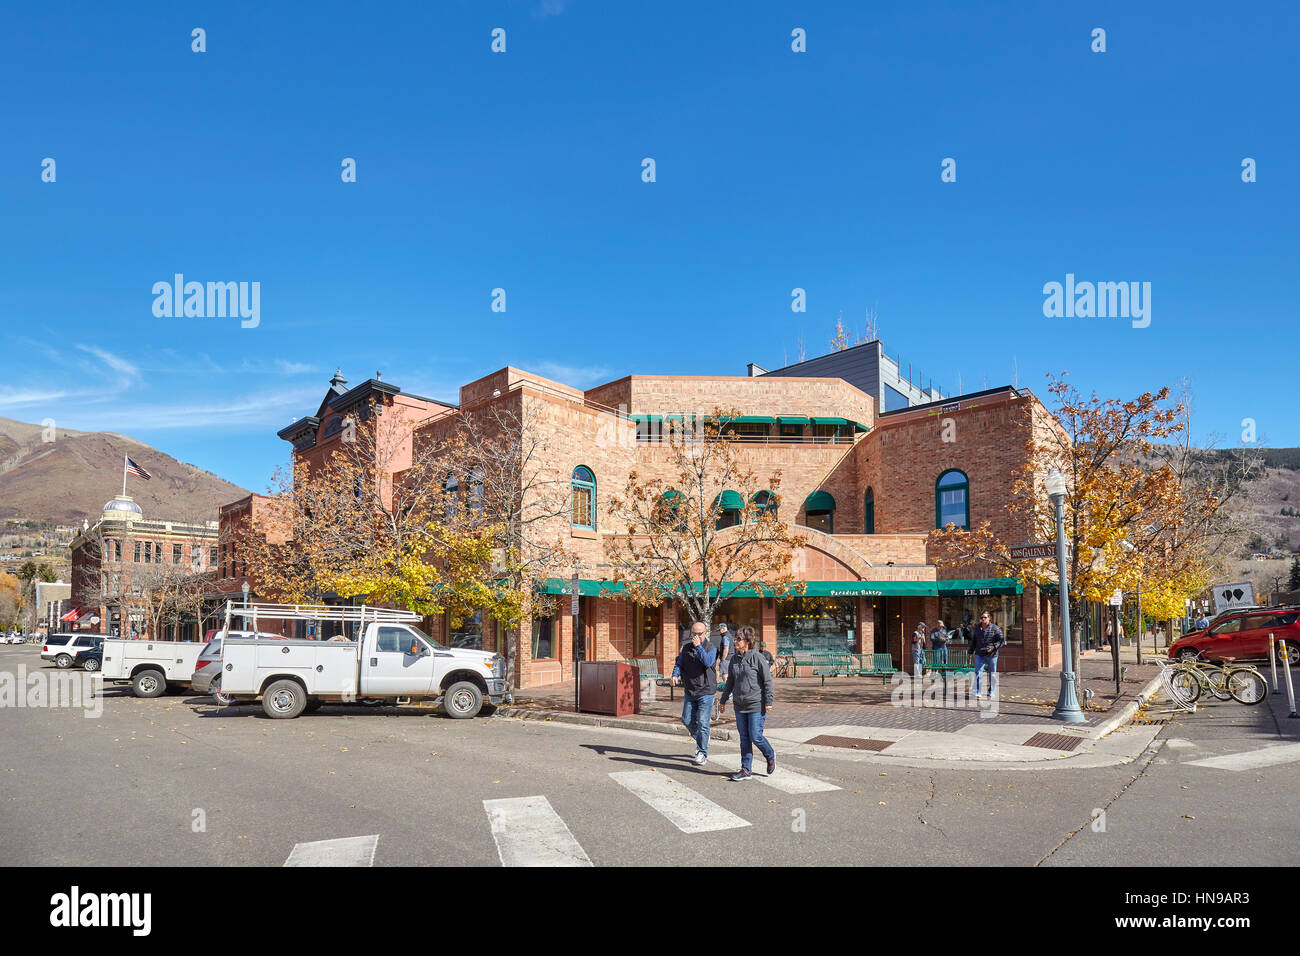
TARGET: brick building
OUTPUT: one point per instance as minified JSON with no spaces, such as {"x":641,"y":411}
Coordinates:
{"x":126,"y":567}
{"x":865,"y":487}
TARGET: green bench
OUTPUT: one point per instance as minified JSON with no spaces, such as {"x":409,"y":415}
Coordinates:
{"x":958,"y":662}
{"x":876,"y":665}
{"x":834,"y":665}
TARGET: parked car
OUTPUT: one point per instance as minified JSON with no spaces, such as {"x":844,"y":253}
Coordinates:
{"x":207,"y":669}
{"x":63,"y":648}
{"x":92,"y":658}
{"x":1243,"y":634}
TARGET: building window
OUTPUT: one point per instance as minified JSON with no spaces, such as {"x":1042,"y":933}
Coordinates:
{"x":728,"y":505}
{"x":543,"y":634}
{"x":451,"y":489}
{"x":816,"y":624}
{"x":869,"y":512}
{"x":820,"y":512}
{"x":961,"y":614}
{"x":212,"y":557}
{"x":766,"y":501}
{"x":668,"y":512}
{"x":952,"y":500}
{"x":584,"y":498}
{"x":749,"y":431}
{"x":469,"y":633}
{"x":176,"y":554}
{"x":136,"y":554}
{"x":792,"y":432}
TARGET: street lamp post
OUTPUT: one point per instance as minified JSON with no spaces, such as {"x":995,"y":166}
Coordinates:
{"x":1067,"y":704}
{"x":244,"y":588}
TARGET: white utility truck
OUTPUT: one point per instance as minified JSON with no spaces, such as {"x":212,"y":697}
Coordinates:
{"x":150,"y":666}
{"x":378,"y":657}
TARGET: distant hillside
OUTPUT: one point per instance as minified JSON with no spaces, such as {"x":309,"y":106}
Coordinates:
{"x":70,"y":478}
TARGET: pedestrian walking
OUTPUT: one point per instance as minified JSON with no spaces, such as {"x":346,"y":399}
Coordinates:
{"x":694,"y":670}
{"x":724,"y":658}
{"x":939,"y":643}
{"x":985,"y":641}
{"x":764,"y":653}
{"x":749,"y":680}
{"x":918,"y":650}
{"x":1202,"y":622}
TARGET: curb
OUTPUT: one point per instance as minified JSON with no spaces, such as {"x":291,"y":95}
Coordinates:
{"x":597,"y":720}
{"x":1127,"y":711}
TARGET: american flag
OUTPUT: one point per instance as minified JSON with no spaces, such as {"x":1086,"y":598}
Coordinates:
{"x":133,"y":469}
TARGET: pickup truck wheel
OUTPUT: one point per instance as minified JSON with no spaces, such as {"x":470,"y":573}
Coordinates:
{"x":285,"y":699}
{"x":462,"y":700}
{"x":63,"y":660}
{"x":148,"y":683}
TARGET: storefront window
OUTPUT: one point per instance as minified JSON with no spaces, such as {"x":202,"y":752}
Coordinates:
{"x":815,"y":624}
{"x":543,"y":632}
{"x":963,"y":613}
{"x":737,"y":613}
{"x":469,"y":633}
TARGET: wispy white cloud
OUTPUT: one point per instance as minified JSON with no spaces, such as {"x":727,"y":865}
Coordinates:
{"x":273,"y":409}
{"x":576,"y":375}
{"x":115,"y":362}
{"x":551,"y":8}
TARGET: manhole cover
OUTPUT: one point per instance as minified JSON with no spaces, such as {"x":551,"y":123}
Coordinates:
{"x":853,"y":743}
{"x":1053,"y":741}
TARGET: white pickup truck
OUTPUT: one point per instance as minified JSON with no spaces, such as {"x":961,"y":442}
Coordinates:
{"x":390,"y":661}
{"x":150,"y":666}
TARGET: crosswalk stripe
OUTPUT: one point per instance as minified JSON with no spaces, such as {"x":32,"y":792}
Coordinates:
{"x":1251,"y":759}
{"x":789,"y":781}
{"x":529,"y":832}
{"x":348,"y":851}
{"x":684,"y":808}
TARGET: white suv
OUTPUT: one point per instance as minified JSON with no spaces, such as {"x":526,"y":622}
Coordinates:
{"x":63,"y":648}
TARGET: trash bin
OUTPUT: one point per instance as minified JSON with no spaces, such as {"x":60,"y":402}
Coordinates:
{"x":609,"y":687}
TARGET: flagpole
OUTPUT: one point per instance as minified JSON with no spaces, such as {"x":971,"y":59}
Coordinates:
{"x":124,"y":476}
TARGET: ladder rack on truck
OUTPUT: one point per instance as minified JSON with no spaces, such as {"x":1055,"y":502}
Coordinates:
{"x":320,"y":613}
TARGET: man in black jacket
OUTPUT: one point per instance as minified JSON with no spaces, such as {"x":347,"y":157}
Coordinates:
{"x":695,"y":670}
{"x":985,"y":640}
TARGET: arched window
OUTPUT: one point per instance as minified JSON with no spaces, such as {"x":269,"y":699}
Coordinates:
{"x":766,"y":501}
{"x":952,"y":500}
{"x":584,"y":498}
{"x":729,"y":505}
{"x":451,"y":492}
{"x":869,"y":512}
{"x":669,"y":512}
{"x":820,"y":511}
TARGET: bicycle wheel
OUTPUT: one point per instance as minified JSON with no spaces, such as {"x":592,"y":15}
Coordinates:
{"x":1216,"y":682}
{"x":1185,"y":687}
{"x":1246,"y":685}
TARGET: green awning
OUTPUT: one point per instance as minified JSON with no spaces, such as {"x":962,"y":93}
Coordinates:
{"x":646,"y":418}
{"x":753,"y":420}
{"x":730,"y":501}
{"x":819,"y":501}
{"x":793,"y":419}
{"x":974,"y":587}
{"x":831,"y":421}
{"x":870,"y":589}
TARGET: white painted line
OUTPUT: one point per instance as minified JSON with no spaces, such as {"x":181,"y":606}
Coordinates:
{"x":349,"y":851}
{"x":787,"y":781}
{"x":1251,"y":759}
{"x":529,"y":832}
{"x":685,"y":809}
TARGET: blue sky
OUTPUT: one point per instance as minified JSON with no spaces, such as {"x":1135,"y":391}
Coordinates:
{"x":522,"y":170}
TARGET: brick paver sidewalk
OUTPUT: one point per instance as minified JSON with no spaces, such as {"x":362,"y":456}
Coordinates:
{"x":1024,"y":698}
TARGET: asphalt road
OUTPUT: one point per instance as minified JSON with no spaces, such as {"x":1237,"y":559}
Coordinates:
{"x":177,"y":781}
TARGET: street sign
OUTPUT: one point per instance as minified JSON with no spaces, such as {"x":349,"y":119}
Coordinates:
{"x":573,"y":596}
{"x":1117,"y":599}
{"x":1030,"y":552}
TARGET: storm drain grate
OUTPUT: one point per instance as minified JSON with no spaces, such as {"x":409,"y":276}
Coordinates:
{"x":1053,"y":741}
{"x":853,"y":743}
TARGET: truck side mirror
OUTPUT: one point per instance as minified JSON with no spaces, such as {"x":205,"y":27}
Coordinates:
{"x":415,"y":649}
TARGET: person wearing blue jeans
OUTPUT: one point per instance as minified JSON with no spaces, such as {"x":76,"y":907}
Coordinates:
{"x":694,"y":669}
{"x":749,"y":680}
{"x":985,"y":641}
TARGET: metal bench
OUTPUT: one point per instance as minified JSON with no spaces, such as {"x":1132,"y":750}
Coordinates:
{"x":958,"y":662}
{"x":876,"y":665}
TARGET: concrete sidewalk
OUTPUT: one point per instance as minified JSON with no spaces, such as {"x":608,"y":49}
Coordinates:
{"x":863,"y":718}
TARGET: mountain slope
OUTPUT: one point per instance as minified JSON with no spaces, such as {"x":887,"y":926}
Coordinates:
{"x":70,"y":478}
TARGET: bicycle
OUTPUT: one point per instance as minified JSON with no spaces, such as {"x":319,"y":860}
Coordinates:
{"x":1243,"y":683}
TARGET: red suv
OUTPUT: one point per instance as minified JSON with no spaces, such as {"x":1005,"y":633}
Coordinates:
{"x":1244,"y":635}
